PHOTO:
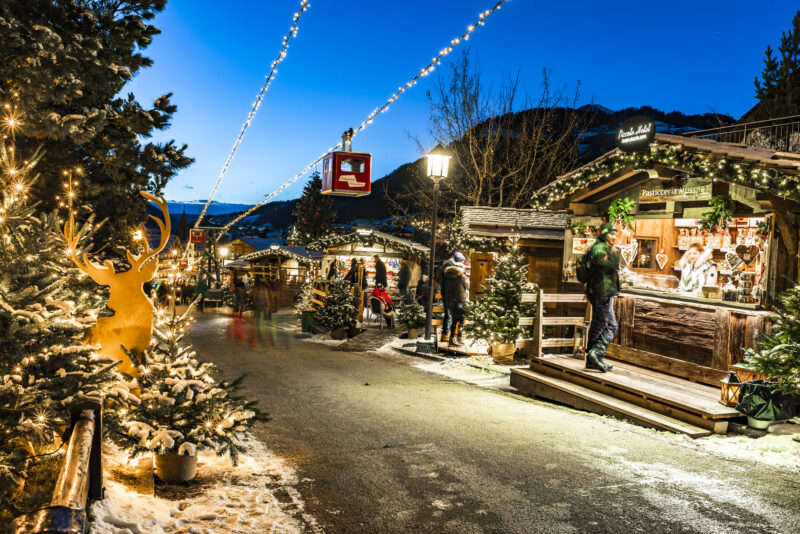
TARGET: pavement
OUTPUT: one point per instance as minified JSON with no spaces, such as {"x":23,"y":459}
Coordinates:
{"x":380,"y":445}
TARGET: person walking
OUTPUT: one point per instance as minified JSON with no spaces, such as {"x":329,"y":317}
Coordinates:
{"x":201,"y":289}
{"x":601,"y":265}
{"x":403,"y":277}
{"x":380,"y":273}
{"x":455,"y":295}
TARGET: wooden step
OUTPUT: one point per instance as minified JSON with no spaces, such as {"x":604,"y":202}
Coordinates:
{"x":692,"y":403}
{"x":534,"y":384}
{"x":563,"y":321}
{"x":558,"y":342}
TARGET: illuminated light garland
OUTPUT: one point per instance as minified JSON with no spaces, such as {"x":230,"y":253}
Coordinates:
{"x":715,"y":167}
{"x":382,"y":109}
{"x":273,"y":71}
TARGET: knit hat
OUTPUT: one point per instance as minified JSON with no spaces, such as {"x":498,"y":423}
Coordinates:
{"x":458,"y":257}
{"x":605,"y":229}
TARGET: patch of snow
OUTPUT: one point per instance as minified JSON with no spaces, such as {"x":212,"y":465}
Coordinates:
{"x":238,"y":499}
{"x":463,"y":372}
{"x":774,"y":450}
{"x":325,"y":339}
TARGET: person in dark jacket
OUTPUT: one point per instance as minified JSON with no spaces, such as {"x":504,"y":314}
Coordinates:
{"x":403,"y":277}
{"x":352,"y":274}
{"x":380,"y":273}
{"x":602,"y":262}
{"x":455,"y":292}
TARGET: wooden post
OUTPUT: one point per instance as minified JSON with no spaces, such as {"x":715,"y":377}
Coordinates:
{"x":537,"y":325}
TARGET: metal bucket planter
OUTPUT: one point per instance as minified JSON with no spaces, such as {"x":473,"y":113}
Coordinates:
{"x":338,"y":333}
{"x":172,"y":467}
{"x":503,"y":353}
{"x":413,"y":333}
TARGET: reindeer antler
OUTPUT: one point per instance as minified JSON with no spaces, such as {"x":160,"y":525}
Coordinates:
{"x":166,"y":227}
{"x":101,"y":275}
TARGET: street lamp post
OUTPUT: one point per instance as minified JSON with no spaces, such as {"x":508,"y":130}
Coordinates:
{"x":438,"y":163}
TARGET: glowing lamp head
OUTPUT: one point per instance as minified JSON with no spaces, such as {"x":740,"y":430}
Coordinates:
{"x":274,"y":246}
{"x":223,"y":252}
{"x":137,"y":235}
{"x":438,"y":163}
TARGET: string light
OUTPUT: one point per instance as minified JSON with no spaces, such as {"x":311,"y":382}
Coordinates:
{"x":273,"y":71}
{"x":382,"y":109}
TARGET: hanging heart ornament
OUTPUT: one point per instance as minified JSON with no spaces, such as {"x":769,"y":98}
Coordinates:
{"x":661,"y":260}
{"x":733,"y":260}
{"x":748,"y":253}
{"x":628,"y":252}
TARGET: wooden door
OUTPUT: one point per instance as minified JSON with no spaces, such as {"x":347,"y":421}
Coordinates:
{"x":481,"y":267}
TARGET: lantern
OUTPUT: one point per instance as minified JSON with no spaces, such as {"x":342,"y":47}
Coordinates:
{"x":731,"y":386}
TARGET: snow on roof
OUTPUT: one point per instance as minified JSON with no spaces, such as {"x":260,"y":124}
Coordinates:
{"x":301,"y":254}
{"x":260,"y":243}
{"x":505,"y":222}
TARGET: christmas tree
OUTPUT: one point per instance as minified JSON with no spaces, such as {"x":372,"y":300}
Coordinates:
{"x":777,"y":92}
{"x":183,"y":407}
{"x":314,"y":212}
{"x":778,"y":354}
{"x":495,"y":316}
{"x":411,"y":314}
{"x":46,"y":307}
{"x":65,"y":64}
{"x":338,"y":309}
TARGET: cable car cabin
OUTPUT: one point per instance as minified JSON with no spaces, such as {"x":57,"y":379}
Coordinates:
{"x":347,"y":174}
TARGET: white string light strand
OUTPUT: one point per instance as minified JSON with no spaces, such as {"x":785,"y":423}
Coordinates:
{"x":273,"y":71}
{"x":424,"y":72}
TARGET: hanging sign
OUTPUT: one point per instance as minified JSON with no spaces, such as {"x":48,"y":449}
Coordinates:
{"x":197,"y":236}
{"x":636,"y":134}
{"x":183,"y":265}
{"x":654,"y":191}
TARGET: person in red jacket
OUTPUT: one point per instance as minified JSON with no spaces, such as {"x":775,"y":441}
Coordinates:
{"x":388,"y":312}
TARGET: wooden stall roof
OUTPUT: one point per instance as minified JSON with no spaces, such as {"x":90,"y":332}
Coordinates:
{"x":300,"y":254}
{"x":373,"y":236}
{"x":784,"y":163}
{"x":486,"y":221}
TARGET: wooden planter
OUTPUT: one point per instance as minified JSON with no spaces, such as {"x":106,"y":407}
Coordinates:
{"x":172,"y":467}
{"x":338,"y":333}
{"x":413,"y":333}
{"x":503,"y":353}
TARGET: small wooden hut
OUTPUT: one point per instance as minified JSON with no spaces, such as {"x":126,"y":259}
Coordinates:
{"x":283,"y":266}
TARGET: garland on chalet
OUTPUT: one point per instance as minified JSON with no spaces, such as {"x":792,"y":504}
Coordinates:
{"x":716,"y":167}
{"x":367,"y":240}
{"x":460,"y":240}
{"x":288,"y":254}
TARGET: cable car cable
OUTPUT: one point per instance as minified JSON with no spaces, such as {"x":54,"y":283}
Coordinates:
{"x":382,"y":109}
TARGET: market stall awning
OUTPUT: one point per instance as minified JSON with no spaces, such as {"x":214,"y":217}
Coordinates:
{"x":485,"y":221}
{"x":371,"y":237}
{"x":769,"y":171}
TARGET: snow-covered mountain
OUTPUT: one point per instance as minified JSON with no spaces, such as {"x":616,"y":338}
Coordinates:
{"x":194,"y":207}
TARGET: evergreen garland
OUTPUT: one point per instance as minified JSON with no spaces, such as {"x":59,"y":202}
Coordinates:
{"x":495,"y":316}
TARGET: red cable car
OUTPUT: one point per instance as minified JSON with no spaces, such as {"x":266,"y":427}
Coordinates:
{"x":346,"y":173}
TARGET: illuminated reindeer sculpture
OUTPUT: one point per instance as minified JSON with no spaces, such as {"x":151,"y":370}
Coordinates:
{"x":131,"y":326}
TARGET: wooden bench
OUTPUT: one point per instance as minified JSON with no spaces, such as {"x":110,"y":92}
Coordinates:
{"x":540,"y":321}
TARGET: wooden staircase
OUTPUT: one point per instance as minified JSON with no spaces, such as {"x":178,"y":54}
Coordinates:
{"x":640,"y":395}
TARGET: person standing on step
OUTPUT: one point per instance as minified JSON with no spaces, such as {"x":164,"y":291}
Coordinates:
{"x":601,"y":264}
{"x":455,"y":292}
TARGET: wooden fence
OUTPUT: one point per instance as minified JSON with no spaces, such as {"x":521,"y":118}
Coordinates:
{"x":579,"y":324}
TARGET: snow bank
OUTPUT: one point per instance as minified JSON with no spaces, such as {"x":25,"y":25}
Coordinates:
{"x":774,"y":450}
{"x":225,"y":499}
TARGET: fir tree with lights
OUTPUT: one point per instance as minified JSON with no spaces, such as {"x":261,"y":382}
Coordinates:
{"x":494,"y":318}
{"x":183,"y":407}
{"x":777,"y":91}
{"x":314,"y":212}
{"x":46,"y":308}
{"x":338,"y":309}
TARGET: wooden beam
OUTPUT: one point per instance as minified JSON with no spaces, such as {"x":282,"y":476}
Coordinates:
{"x":584,"y":209}
{"x":615,"y":178}
{"x":611,"y":192}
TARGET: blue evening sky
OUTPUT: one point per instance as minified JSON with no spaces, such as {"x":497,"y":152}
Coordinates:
{"x":350,"y":56}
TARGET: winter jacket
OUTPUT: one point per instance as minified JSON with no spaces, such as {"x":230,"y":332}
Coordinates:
{"x":603,"y":263}
{"x":455,"y":286}
{"x":381,"y":295}
{"x":416,"y":274}
{"x":403,"y":277}
{"x":439,"y":274}
{"x":694,"y":275}
{"x":380,"y":274}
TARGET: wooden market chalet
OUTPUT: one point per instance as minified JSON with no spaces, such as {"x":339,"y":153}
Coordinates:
{"x":672,"y":349}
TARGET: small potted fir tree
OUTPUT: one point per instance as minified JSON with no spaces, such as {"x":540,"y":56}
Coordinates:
{"x":337,"y":311}
{"x":413,"y":316}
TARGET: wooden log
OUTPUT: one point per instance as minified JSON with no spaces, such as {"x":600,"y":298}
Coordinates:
{"x":720,"y":357}
{"x":675,"y":322}
{"x":626,"y":311}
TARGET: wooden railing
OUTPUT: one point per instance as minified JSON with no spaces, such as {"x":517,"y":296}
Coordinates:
{"x":80,"y":478}
{"x":534,"y":346}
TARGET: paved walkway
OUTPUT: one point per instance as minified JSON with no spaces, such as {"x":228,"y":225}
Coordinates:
{"x":384,"y":447}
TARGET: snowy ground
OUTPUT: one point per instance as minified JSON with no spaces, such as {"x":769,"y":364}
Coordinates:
{"x":256,"y":496}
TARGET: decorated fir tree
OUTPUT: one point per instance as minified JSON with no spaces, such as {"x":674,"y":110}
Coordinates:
{"x":338,"y":309}
{"x":778,"y":354}
{"x":314,"y":212}
{"x":777,"y":91}
{"x":46,"y":307}
{"x":183,"y":407}
{"x":494,"y":318}
{"x":411,"y":314}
